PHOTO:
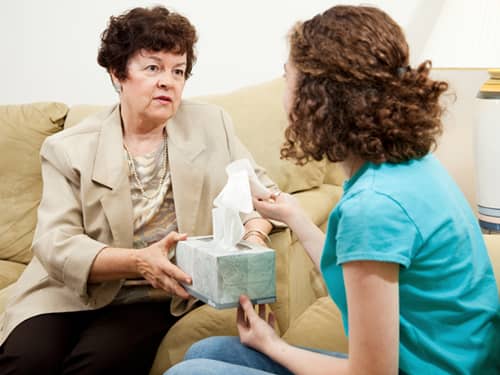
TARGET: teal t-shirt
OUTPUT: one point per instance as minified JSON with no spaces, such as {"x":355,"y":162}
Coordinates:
{"x":413,"y":214}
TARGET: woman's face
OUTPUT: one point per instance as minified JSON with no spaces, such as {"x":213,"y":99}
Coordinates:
{"x":153,"y":88}
{"x":290,"y":75}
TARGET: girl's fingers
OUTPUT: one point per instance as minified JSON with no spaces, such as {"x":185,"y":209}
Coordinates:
{"x":240,"y":317}
{"x":247,"y":307}
{"x":272,"y":320}
{"x":262,"y":312}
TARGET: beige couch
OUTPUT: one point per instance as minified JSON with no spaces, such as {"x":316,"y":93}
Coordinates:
{"x":305,"y":314}
{"x":259,"y":121}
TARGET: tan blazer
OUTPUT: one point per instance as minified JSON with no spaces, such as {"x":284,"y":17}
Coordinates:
{"x":86,"y":204}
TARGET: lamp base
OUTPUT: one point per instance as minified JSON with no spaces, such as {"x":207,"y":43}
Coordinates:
{"x":488,"y":153}
{"x":489,"y":224}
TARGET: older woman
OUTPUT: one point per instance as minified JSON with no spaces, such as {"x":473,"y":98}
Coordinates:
{"x":102,"y":288}
{"x":403,"y":257}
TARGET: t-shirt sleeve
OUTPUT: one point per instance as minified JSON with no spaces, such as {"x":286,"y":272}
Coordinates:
{"x":373,"y":226}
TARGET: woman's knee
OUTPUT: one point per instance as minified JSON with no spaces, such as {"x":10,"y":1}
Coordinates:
{"x":199,"y":366}
{"x":217,"y":347}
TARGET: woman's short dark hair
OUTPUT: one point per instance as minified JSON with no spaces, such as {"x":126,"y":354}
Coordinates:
{"x":356,"y":94}
{"x":154,"y":29}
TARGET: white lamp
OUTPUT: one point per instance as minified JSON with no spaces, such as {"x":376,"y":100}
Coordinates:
{"x":488,"y":153}
{"x":463,"y":34}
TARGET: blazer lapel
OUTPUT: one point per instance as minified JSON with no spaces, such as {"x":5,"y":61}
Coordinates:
{"x":111,"y":172}
{"x":187,"y":168}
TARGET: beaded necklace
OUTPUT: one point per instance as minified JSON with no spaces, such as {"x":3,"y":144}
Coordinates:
{"x":163,"y":172}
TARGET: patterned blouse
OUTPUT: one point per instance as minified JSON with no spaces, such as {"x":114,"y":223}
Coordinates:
{"x":153,"y":218}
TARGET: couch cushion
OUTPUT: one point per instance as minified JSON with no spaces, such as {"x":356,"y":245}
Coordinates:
{"x":260,"y":122}
{"x":22,"y":131}
{"x":10,"y":272}
{"x":319,"y":327}
{"x":78,"y":112}
{"x":334,"y":174}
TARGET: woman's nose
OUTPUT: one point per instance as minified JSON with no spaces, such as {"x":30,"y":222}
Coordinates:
{"x":165,"y":80}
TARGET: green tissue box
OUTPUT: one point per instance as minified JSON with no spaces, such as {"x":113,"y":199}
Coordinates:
{"x":221,"y":276}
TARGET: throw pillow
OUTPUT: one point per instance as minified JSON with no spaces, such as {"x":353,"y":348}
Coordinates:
{"x":23,"y":128}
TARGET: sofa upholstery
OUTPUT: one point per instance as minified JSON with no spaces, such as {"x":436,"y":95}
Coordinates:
{"x":305,"y":314}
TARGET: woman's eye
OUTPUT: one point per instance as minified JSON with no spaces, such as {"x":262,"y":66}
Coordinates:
{"x":152,"y":68}
{"x":179,"y":72}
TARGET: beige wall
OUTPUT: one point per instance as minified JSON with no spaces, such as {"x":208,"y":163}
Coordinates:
{"x":456,"y":149}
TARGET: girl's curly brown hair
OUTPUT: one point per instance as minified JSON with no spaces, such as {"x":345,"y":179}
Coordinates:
{"x":153,"y":29}
{"x":355,"y":93}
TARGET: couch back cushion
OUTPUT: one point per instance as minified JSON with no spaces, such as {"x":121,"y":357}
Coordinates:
{"x":78,"y":112}
{"x":23,"y":128}
{"x":259,"y":121}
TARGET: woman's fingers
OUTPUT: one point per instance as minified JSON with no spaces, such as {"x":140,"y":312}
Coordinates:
{"x":176,"y":273}
{"x":168,"y":267}
{"x":171,"y":286}
{"x":171,"y":239}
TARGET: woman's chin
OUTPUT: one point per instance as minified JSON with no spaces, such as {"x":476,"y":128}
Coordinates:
{"x":161,"y":116}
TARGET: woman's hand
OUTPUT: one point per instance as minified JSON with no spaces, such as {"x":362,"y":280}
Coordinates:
{"x":153,"y":264}
{"x":282,"y":207}
{"x":254,"y":330}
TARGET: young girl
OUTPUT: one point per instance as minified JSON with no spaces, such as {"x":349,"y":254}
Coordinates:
{"x":403,"y":257}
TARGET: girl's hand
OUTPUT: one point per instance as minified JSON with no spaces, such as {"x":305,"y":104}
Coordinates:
{"x":282,"y":207}
{"x":253,"y":328}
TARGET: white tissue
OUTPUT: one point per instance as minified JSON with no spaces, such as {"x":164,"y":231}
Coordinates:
{"x":235,"y":197}
{"x":227,"y":228}
{"x":258,"y":189}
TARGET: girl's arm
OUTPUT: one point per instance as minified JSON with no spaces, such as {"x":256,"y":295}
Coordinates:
{"x":285,"y":208}
{"x":373,"y":302}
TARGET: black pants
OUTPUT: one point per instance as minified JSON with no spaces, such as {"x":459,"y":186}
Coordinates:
{"x":120,"y":339}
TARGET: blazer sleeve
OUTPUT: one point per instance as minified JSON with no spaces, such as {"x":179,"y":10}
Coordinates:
{"x":238,"y":151}
{"x":60,"y":242}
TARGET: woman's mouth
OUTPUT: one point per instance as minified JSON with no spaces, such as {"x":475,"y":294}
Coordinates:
{"x":163,"y":99}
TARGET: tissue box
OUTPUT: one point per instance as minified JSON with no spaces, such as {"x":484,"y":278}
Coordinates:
{"x":221,"y":276}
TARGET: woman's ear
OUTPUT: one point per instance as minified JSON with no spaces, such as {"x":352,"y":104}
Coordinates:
{"x":116,"y":82}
